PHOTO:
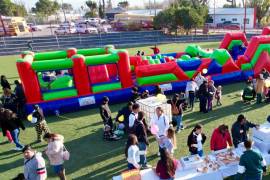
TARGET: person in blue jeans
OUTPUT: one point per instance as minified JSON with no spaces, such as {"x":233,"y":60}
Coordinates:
{"x":195,"y":141}
{"x":141,"y":133}
{"x":9,"y":121}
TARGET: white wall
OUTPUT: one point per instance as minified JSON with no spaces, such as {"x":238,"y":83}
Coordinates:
{"x":235,"y":19}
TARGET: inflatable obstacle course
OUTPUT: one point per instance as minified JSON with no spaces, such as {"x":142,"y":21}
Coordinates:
{"x":78,"y":78}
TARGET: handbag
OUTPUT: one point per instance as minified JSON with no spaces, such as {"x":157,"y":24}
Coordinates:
{"x":66,"y":154}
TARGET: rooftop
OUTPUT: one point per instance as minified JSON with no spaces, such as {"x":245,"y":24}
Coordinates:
{"x":231,"y":11}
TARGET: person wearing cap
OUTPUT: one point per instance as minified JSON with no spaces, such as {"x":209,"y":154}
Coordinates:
{"x":252,"y":165}
{"x":41,"y":124}
{"x":34,"y":164}
{"x":240,"y":130}
{"x":105,"y":112}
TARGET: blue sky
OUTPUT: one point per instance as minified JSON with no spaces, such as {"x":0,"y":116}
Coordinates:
{"x":31,"y":3}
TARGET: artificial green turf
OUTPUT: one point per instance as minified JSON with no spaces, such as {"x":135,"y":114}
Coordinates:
{"x":91,"y":157}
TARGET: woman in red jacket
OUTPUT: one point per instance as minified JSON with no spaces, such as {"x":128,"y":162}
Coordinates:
{"x":220,"y":137}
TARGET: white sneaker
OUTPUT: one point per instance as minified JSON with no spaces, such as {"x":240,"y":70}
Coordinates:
{"x":17,"y":149}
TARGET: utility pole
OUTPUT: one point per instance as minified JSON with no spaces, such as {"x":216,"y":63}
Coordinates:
{"x":155,"y":7}
{"x":64,"y":11}
{"x":3,"y":25}
{"x":245,"y":17}
{"x":214,"y":22}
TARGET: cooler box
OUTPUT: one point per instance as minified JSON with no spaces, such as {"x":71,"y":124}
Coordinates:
{"x":149,"y":105}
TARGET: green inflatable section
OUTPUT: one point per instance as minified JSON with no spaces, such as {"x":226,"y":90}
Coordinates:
{"x":157,"y":61}
{"x":246,"y":66}
{"x":221,"y":56}
{"x":50,"y":55}
{"x":156,"y":79}
{"x":52,"y":64}
{"x":190,"y":73}
{"x":151,"y":61}
{"x":192,"y":50}
{"x":235,"y":43}
{"x":59,"y":94}
{"x":205,"y":54}
{"x":43,"y":84}
{"x":62,"y":82}
{"x":261,"y":48}
{"x":185,"y":57}
{"x":101,"y":59}
{"x":91,"y":52}
{"x":106,"y":87}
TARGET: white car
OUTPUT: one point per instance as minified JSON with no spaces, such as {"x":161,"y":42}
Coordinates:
{"x":65,"y":30}
{"x":85,"y":28}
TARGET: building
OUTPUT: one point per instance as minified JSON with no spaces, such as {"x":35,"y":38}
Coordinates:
{"x":235,"y":15}
{"x":110,"y":13}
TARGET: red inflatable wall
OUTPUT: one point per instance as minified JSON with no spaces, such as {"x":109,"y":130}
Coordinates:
{"x":233,"y":36}
{"x":98,"y":74}
{"x":112,"y":70}
{"x":263,"y":62}
{"x":124,"y":70}
{"x":80,"y":75}
{"x":29,"y":80}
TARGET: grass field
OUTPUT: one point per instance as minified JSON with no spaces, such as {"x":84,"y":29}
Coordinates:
{"x":91,"y":157}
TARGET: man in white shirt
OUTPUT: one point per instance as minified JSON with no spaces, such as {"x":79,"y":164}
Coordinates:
{"x":132,"y":117}
{"x":191,"y":89}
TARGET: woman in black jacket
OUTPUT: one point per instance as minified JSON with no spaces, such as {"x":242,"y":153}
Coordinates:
{"x":10,"y":122}
{"x":4,"y":82}
{"x":196,"y":140}
{"x":203,"y":96}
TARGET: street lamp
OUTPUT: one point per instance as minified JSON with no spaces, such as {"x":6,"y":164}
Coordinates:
{"x":245,"y":17}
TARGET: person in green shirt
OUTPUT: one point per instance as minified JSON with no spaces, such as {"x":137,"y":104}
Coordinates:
{"x":252,"y":165}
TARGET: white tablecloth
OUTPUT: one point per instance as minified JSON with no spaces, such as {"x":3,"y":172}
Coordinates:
{"x":149,"y":174}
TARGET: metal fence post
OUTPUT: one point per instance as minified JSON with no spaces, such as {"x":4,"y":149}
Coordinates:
{"x":57,"y":40}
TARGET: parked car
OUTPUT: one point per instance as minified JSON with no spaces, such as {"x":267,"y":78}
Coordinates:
{"x":65,"y":30}
{"x":33,"y":27}
{"x":227,"y":24}
{"x":85,"y":28}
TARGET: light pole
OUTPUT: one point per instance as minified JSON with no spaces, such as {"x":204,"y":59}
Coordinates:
{"x":214,"y":15}
{"x":245,"y":17}
{"x":64,"y":11}
{"x":155,"y":7}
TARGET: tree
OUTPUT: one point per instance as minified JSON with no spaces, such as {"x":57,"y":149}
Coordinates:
{"x":232,"y":3}
{"x":67,"y":7}
{"x":109,"y":4}
{"x":100,"y":10}
{"x":188,"y":18}
{"x":123,"y":4}
{"x":46,"y":7}
{"x":166,"y":19}
{"x":9,"y":8}
{"x":19,"y":10}
{"x":262,"y":7}
{"x":92,"y":5}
